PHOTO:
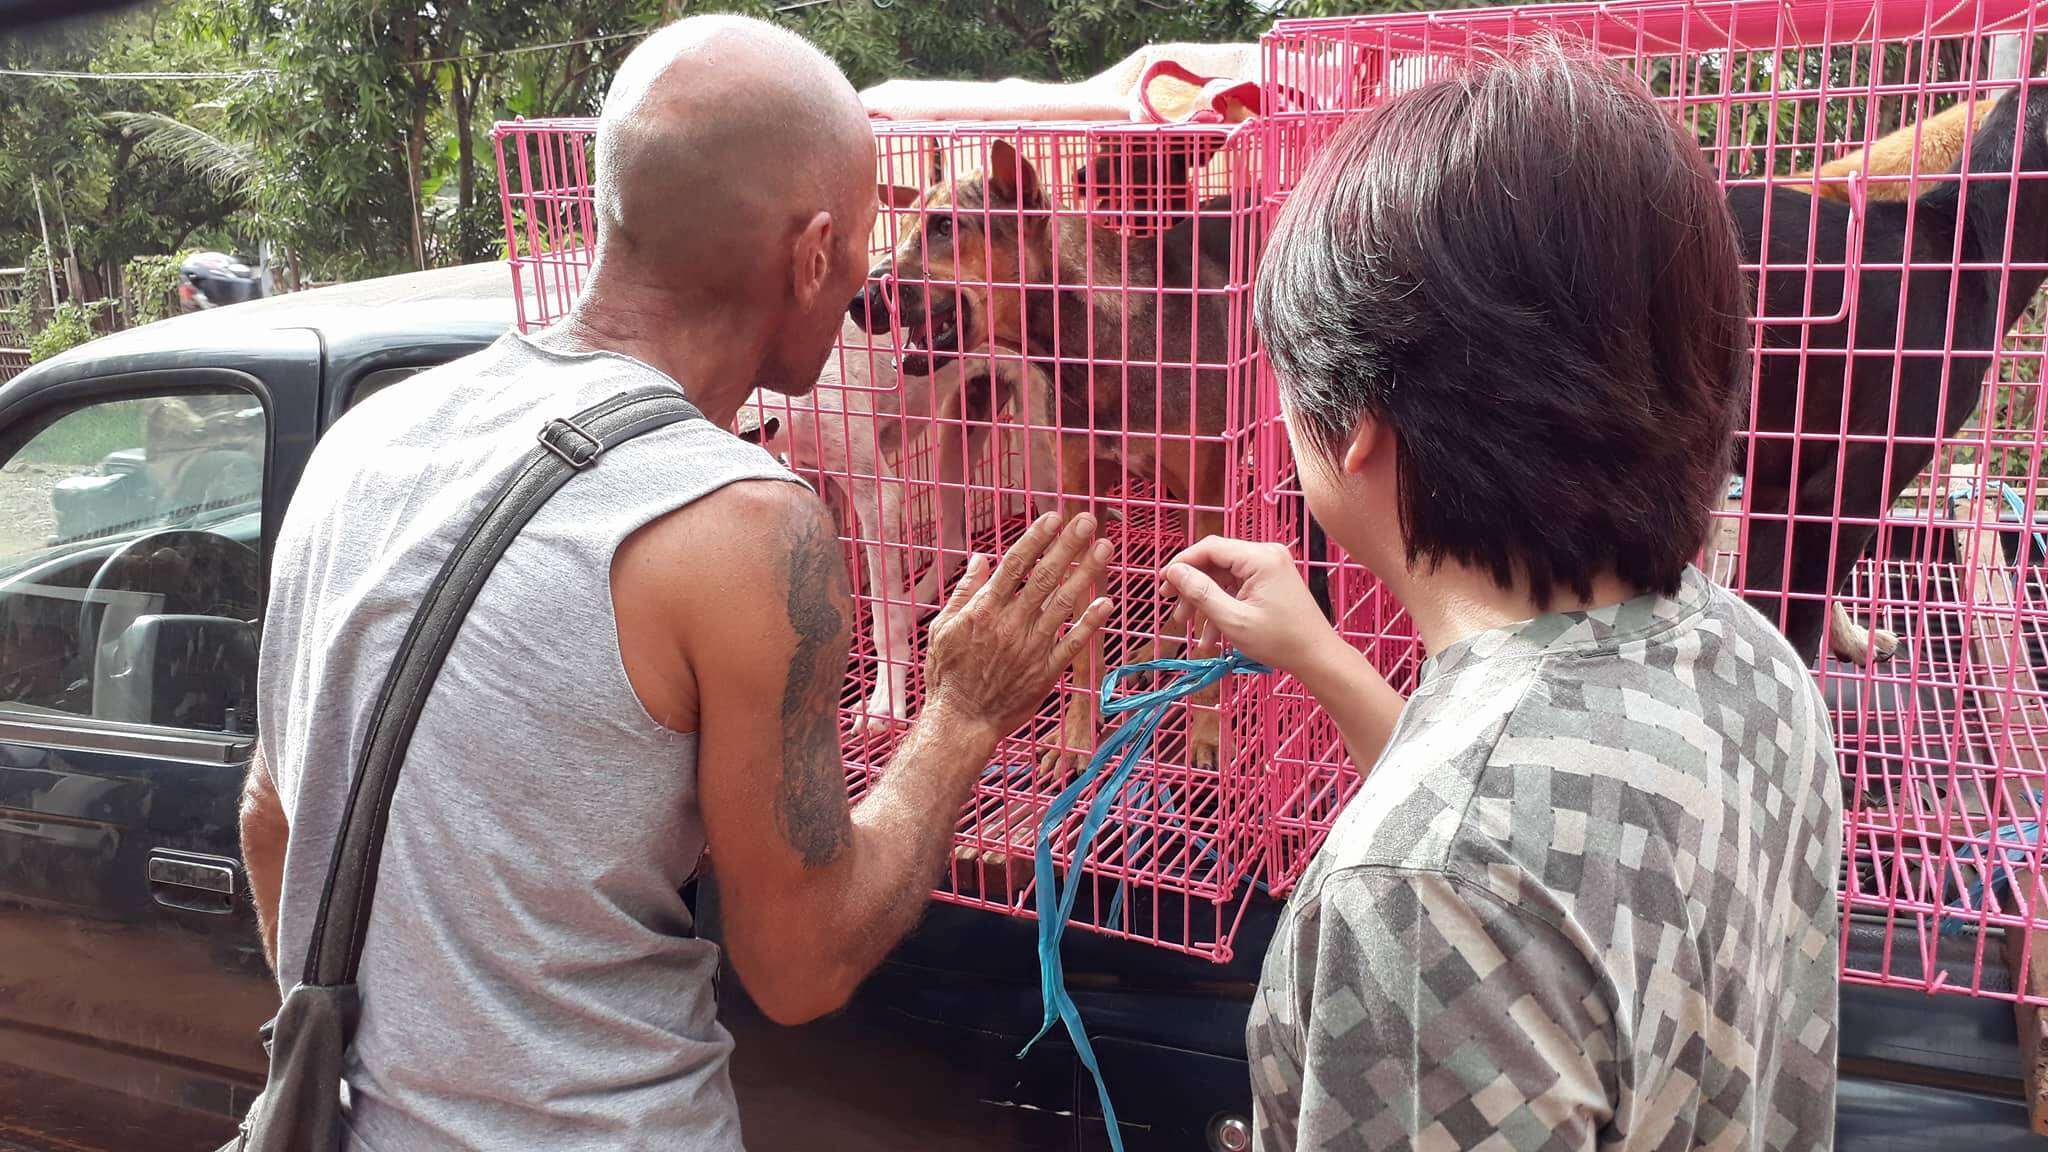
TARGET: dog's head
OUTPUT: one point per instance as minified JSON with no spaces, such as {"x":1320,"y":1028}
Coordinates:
{"x":965,"y":247}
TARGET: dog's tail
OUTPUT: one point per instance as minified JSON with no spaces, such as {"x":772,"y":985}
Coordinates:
{"x":1930,"y":147}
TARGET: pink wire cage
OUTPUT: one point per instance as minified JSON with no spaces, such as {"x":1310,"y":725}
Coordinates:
{"x":1061,"y":318}
{"x":1071,"y":328}
{"x":1913,"y":498}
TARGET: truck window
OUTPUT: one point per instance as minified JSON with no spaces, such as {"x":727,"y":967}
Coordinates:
{"x":130,"y":581}
{"x":381,"y":379}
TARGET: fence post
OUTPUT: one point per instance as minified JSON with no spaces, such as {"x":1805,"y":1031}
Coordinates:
{"x":35,"y":188}
{"x":2005,"y":56}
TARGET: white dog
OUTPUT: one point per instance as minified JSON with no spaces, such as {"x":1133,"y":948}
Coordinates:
{"x":850,"y":432}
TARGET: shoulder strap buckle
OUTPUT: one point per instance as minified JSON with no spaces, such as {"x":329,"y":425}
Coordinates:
{"x":571,"y":442}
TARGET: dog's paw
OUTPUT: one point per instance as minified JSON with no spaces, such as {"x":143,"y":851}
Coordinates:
{"x":885,"y":707}
{"x":1205,"y":741}
{"x":1062,"y":761}
{"x":994,"y":860}
{"x":1852,"y":643}
{"x":1059,"y":764}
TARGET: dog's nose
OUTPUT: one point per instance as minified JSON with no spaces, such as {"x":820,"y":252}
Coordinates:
{"x":870,"y":310}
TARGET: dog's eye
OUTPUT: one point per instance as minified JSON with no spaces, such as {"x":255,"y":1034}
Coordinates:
{"x":938,"y":226}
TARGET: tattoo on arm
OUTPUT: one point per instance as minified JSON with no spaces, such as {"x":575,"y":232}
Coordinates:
{"x":810,"y":799}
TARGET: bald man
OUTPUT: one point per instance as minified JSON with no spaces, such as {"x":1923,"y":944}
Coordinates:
{"x":653,"y":668}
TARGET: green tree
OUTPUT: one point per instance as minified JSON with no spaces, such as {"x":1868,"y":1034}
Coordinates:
{"x":105,"y":198}
{"x":377,"y":108}
{"x":361,"y":140}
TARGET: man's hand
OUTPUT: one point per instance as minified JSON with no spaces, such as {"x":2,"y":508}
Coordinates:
{"x":741,"y":620}
{"x":996,"y":647}
{"x":1253,"y":596}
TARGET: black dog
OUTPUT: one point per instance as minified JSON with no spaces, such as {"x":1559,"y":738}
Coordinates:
{"x":1952,"y":224}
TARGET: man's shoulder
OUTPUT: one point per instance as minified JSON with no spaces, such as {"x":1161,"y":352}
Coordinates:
{"x":746,"y":523}
{"x":719,"y":564}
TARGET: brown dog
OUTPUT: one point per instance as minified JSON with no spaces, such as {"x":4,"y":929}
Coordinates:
{"x":1132,"y":331}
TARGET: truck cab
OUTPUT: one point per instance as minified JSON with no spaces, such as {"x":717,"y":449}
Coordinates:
{"x":142,"y":481}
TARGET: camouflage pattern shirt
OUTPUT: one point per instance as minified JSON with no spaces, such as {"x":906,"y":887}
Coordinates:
{"x":1585,"y":900}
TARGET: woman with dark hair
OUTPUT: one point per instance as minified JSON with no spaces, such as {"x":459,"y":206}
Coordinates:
{"x":1585,"y":895}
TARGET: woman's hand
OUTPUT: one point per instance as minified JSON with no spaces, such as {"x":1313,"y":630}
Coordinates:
{"x":1253,"y":596}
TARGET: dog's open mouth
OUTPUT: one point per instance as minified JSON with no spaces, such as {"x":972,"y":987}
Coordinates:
{"x":931,"y":346}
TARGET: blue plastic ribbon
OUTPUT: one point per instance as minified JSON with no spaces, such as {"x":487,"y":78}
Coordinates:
{"x":1977,"y":896}
{"x":1143,"y":712}
{"x":1964,"y":490}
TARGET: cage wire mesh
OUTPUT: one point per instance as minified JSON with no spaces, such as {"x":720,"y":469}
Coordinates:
{"x":1057,"y":317}
{"x":1888,"y":505}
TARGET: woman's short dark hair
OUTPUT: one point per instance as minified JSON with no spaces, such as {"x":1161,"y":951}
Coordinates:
{"x":1528,"y":273}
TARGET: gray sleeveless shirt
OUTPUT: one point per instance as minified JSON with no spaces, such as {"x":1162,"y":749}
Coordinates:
{"x":531,"y":979}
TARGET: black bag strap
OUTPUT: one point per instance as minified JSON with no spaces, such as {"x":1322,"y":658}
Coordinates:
{"x":566,"y":448}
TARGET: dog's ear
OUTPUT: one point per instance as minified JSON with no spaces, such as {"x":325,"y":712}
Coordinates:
{"x":1012,"y":181}
{"x":1185,"y":164}
{"x":896,"y":195}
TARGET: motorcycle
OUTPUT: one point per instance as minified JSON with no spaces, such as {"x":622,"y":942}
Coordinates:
{"x":214,"y":279}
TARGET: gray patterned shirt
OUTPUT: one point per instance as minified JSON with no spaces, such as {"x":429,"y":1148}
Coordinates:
{"x":1585,"y":900}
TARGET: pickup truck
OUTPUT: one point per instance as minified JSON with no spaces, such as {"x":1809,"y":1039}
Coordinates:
{"x":142,"y":479}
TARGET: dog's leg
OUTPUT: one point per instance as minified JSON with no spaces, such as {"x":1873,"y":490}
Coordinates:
{"x":1042,"y":438}
{"x":1010,"y":832}
{"x":878,"y":507}
{"x":951,"y":472}
{"x":1852,"y":643}
{"x":1209,"y":463}
{"x":1079,"y":718}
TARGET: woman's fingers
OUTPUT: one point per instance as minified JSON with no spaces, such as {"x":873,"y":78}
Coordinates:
{"x":1223,"y":555}
{"x":1201,"y":595}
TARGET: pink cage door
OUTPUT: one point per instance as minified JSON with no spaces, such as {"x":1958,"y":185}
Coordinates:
{"x":1064,"y":312}
{"x":1058,"y":317}
{"x":1888,"y":509}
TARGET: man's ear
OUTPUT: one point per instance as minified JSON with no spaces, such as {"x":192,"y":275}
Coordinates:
{"x":1012,"y":181}
{"x":811,"y":258}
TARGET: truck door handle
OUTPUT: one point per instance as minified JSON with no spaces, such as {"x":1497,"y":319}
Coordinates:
{"x":193,"y":882}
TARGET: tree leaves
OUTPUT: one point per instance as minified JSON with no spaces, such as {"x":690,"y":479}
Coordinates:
{"x":230,"y":166}
{"x":319,"y":153}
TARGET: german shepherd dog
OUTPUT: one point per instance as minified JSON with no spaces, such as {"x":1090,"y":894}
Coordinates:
{"x":1819,"y":381}
{"x":1131,"y":347}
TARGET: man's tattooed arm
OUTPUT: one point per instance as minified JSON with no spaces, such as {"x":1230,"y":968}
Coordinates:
{"x":813,"y":895}
{"x":810,"y":798}
{"x":898,"y":837}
